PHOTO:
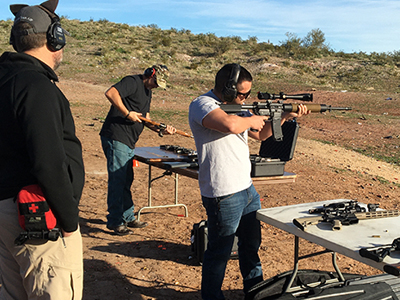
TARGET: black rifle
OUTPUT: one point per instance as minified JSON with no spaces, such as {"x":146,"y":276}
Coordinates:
{"x":343,"y":213}
{"x":342,"y":207}
{"x":275,"y":109}
{"x":380,"y":252}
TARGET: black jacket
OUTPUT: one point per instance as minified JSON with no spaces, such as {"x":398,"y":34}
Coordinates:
{"x":37,"y":137}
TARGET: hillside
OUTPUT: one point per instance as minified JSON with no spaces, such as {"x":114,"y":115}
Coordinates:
{"x":103,"y":52}
{"x":348,"y":155}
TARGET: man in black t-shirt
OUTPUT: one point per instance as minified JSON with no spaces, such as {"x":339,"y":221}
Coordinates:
{"x":130,"y":99}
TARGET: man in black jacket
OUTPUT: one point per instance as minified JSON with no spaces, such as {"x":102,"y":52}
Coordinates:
{"x":38,"y":146}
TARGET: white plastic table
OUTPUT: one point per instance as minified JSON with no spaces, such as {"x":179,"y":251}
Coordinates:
{"x":347,"y":241}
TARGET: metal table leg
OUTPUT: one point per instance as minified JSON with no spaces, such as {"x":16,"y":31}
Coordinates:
{"x":150,"y":206}
{"x":288,"y":287}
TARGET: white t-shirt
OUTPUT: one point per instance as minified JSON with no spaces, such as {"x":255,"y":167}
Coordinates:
{"x":224,"y":164}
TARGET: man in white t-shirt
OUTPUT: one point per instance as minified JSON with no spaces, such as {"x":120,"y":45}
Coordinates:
{"x":227,"y":191}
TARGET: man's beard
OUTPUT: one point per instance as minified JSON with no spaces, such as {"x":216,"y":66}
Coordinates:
{"x":58,"y":57}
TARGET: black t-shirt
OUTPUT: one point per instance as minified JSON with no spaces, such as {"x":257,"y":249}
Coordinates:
{"x":136,"y":98}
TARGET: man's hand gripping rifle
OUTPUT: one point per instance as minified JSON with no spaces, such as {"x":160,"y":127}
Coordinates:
{"x":275,"y":109}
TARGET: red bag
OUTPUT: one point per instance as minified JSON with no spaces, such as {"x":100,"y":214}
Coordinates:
{"x":34,"y":213}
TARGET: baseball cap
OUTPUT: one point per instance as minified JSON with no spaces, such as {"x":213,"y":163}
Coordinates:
{"x":162,"y":74}
{"x":38,"y":16}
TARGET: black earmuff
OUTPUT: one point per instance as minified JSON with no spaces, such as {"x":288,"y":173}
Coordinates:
{"x":55,"y":35}
{"x":229,"y":91}
{"x":150,"y":72}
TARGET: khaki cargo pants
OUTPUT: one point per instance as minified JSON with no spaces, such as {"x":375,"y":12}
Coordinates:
{"x":37,"y":269}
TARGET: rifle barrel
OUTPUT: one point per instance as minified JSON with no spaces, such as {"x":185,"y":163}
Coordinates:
{"x":340,"y":108}
{"x":293,"y":107}
{"x":378,"y":214}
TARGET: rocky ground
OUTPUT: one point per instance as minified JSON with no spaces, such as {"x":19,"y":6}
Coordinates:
{"x":156,"y":262}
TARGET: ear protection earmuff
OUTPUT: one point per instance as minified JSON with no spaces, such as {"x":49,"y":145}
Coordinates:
{"x":55,"y":34}
{"x":150,"y":72}
{"x":229,"y":91}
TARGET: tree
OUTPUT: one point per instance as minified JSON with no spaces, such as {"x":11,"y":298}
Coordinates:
{"x":315,"y":39}
{"x":292,"y":43}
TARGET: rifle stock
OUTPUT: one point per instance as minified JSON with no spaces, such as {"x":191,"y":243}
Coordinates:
{"x":338,"y":221}
{"x":302,"y":223}
{"x":163,"y":126}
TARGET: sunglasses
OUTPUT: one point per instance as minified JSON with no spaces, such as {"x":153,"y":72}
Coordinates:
{"x":245,"y":95}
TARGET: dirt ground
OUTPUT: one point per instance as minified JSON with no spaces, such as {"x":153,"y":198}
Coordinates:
{"x":156,"y":262}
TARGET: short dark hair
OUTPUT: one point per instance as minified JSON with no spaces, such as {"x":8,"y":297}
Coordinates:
{"x":23,"y":42}
{"x":223,"y":76}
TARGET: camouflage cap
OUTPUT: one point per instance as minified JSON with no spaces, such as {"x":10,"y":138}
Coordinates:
{"x":162,"y":74}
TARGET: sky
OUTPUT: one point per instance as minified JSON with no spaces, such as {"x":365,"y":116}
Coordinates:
{"x":349,"y":26}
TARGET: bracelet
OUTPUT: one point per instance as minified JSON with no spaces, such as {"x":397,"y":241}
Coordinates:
{"x":127,"y":114}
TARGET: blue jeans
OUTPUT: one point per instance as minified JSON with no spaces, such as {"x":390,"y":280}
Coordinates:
{"x":229,"y":216}
{"x":120,"y":177}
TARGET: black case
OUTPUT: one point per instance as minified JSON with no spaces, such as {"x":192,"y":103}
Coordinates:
{"x":263,"y":167}
{"x":314,"y":284}
{"x":199,"y":240}
{"x":273,"y":155}
{"x":284,"y":149}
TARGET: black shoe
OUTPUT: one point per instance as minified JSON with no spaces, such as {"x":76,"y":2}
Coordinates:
{"x":120,"y":229}
{"x":136,"y":224}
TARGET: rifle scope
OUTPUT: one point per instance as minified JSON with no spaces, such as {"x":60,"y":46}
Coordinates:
{"x":282,"y":96}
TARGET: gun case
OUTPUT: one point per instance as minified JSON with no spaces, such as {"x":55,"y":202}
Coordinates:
{"x":263,"y":166}
{"x":199,"y":240}
{"x":284,"y":149}
{"x":273,"y":155}
{"x":313,"y":284}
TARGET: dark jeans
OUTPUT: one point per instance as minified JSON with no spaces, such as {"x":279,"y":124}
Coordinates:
{"x":229,"y":216}
{"x":120,"y":177}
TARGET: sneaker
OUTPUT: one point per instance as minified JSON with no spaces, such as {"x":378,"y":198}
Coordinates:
{"x":136,"y":224}
{"x":120,"y":229}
